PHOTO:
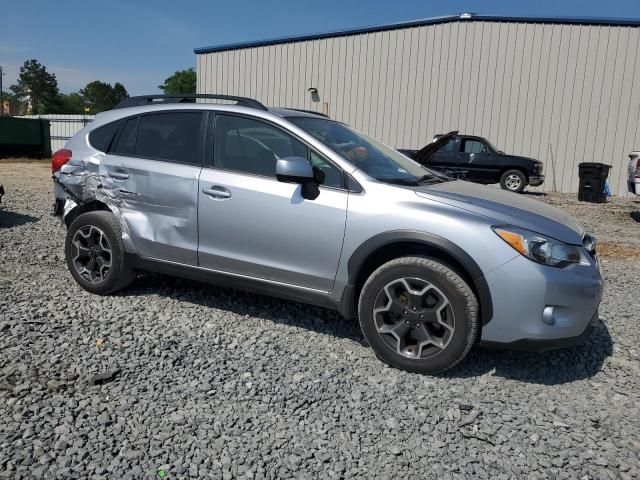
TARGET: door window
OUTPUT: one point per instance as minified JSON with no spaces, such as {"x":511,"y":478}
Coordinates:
{"x":126,"y":142}
{"x":331,"y":176}
{"x":450,"y":147}
{"x":250,"y":146}
{"x":171,"y":136}
{"x":473,"y":146}
{"x":246,"y":145}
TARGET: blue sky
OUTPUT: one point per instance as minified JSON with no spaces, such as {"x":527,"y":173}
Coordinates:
{"x":141,"y":42}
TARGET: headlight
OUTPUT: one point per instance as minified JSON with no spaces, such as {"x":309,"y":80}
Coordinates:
{"x":539,"y":248}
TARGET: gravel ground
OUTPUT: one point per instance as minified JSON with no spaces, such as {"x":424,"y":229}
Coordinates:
{"x":223,"y":384}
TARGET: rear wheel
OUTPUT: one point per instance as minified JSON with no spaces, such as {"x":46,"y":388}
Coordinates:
{"x":95,"y":253}
{"x":513,"y":180}
{"x":418,"y":315}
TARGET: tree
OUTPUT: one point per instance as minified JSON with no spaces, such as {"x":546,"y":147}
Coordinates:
{"x":36,"y":86}
{"x":100,"y":96}
{"x":71,"y":103}
{"x":183,"y":81}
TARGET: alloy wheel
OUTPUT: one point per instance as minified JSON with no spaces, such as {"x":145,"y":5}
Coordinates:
{"x":414,"y":317}
{"x":513,"y":182}
{"x":91,"y":253}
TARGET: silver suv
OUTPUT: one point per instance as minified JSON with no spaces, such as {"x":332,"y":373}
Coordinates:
{"x":296,"y":205}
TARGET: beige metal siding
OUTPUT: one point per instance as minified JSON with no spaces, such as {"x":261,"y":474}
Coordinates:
{"x":548,"y":91}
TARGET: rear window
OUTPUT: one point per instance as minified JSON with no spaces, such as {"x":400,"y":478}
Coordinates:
{"x":101,"y":137}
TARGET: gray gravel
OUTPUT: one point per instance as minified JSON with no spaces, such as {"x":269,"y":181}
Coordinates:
{"x":210,"y":382}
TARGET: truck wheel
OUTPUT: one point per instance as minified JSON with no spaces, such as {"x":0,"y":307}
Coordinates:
{"x":95,"y":253}
{"x":513,"y":180}
{"x":418,"y":315}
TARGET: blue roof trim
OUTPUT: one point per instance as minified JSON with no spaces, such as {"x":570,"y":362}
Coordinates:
{"x":421,"y":22}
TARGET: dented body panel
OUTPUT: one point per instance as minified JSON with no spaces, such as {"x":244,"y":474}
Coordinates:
{"x":199,"y":220}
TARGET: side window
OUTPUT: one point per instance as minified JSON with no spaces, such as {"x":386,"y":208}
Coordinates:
{"x":449,"y":147}
{"x":332,"y":176}
{"x":171,"y":136}
{"x":246,"y":145}
{"x":126,"y":141}
{"x":101,"y":137}
{"x":473,"y":146}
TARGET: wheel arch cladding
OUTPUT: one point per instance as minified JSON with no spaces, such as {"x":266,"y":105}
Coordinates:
{"x":92,"y":206}
{"x":389,"y":245}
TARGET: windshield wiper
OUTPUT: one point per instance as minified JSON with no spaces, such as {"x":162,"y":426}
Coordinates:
{"x":433,"y":178}
{"x":409,"y":182}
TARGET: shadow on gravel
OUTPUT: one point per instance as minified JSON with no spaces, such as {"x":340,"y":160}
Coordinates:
{"x":12,"y":219}
{"x":536,"y":194}
{"x":635,"y":215}
{"x":552,"y":367}
{"x":546,"y":368}
{"x":287,"y":312}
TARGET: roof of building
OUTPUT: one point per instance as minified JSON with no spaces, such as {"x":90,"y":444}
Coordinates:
{"x":464,"y":17}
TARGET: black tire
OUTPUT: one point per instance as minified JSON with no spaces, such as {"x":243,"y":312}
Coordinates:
{"x":463,"y":303}
{"x":118,"y":275}
{"x":513,"y":181}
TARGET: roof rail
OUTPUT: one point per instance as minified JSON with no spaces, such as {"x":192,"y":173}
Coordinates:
{"x":186,"y":98}
{"x":308,"y":111}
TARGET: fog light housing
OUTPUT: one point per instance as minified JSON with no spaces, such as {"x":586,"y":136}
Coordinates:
{"x":548,"y":316}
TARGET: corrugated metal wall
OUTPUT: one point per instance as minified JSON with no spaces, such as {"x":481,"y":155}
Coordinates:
{"x":63,"y":127}
{"x":564,"y":94}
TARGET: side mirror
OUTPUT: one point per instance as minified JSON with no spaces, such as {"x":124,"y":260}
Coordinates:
{"x":293,"y":170}
{"x":298,"y":170}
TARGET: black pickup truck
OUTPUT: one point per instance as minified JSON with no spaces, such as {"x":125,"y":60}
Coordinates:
{"x":475,"y":159}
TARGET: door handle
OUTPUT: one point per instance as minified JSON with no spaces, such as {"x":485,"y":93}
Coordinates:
{"x":217,"y":191}
{"x":119,"y":175}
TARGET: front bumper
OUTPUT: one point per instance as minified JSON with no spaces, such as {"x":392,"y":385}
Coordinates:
{"x":536,"y":180}
{"x":536,"y":307}
{"x":539,"y":345}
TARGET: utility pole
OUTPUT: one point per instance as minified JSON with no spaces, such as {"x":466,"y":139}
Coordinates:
{"x":1,"y":99}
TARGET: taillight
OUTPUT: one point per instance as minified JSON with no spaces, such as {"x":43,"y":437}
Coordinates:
{"x":637,"y":173}
{"x":59,"y":159}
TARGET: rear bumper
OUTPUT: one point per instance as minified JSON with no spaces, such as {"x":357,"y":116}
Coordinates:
{"x":536,"y":180}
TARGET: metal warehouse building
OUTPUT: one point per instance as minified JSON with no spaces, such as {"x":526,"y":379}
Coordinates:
{"x":560,"y":90}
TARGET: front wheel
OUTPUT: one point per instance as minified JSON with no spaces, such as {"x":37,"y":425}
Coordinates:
{"x":418,"y":315}
{"x":95,"y":253}
{"x":513,"y":180}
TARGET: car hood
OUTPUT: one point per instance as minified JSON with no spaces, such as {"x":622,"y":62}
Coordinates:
{"x":519,"y":157}
{"x":506,"y":208}
{"x":423,"y":155}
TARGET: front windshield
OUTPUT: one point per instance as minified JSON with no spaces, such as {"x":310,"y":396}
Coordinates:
{"x":372,"y":157}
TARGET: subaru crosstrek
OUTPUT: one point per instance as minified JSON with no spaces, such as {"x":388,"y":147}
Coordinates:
{"x":296,"y":205}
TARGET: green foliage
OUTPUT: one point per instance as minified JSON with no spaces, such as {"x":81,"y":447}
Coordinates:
{"x":100,"y":96}
{"x":72,"y":103}
{"x":40,"y":88}
{"x":38,"y":85}
{"x":183,"y":81}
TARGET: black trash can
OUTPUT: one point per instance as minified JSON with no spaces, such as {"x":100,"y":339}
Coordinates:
{"x":593,"y":177}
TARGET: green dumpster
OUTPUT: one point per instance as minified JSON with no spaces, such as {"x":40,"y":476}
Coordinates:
{"x":24,"y":137}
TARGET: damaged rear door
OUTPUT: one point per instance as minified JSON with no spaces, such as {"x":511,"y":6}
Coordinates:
{"x":161,"y":159}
